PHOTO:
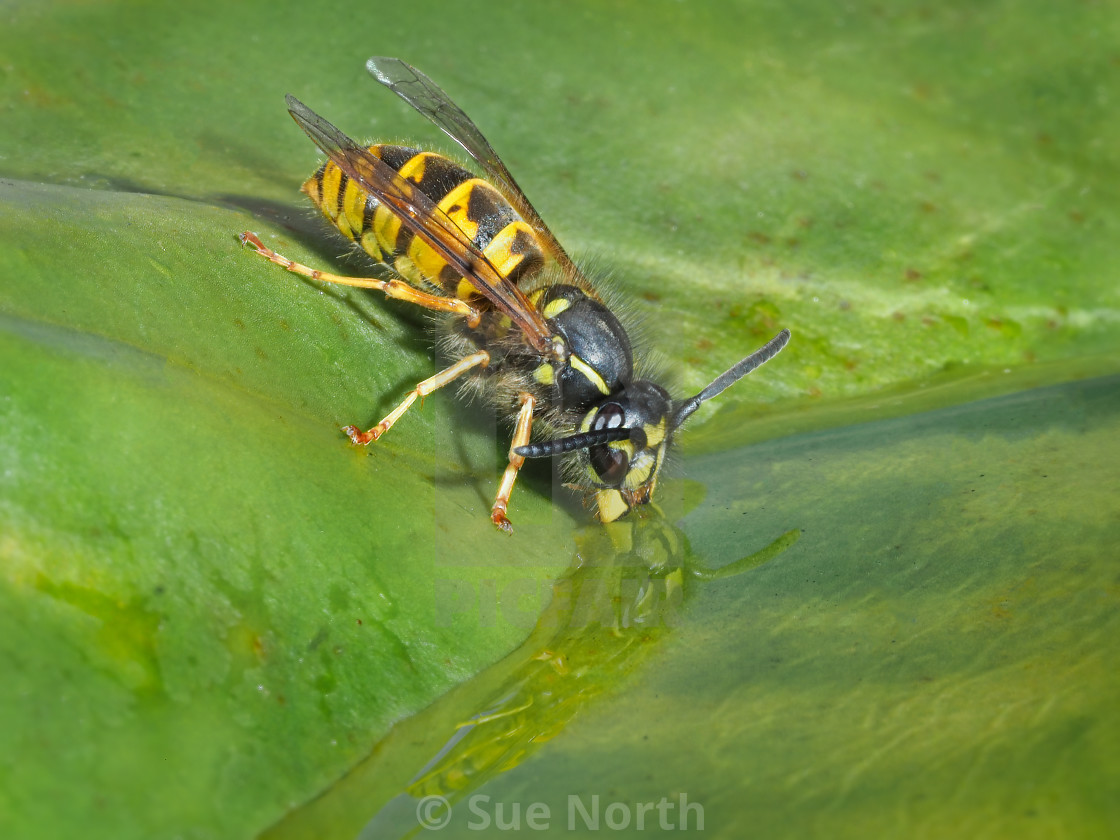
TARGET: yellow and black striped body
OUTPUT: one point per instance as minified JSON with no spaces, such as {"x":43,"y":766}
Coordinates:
{"x":528,"y":332}
{"x":472,"y":204}
{"x":595,"y":359}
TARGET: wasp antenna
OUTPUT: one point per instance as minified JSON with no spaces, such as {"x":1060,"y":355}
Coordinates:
{"x":569,"y":444}
{"x":756,"y":359}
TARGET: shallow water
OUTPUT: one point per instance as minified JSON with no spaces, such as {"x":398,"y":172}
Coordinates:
{"x":934,"y":652}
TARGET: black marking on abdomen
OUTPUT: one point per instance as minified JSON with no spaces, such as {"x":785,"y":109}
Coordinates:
{"x":487,"y":209}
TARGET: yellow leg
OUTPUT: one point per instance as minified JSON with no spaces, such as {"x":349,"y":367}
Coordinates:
{"x":520,"y":438}
{"x":393,"y":288}
{"x":434,"y":383}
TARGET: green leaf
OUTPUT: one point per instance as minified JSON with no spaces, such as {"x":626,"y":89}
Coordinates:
{"x":212,"y":606}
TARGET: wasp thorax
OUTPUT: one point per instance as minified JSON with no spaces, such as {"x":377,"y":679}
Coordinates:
{"x":599,"y":356}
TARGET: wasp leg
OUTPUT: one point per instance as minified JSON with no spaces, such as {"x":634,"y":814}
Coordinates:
{"x":393,"y":288}
{"x":434,"y":383}
{"x":520,"y":438}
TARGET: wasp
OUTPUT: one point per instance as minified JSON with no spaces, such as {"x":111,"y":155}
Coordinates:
{"x":526,"y":328}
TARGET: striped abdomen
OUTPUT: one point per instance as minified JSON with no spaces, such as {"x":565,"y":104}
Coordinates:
{"x":475,"y":207}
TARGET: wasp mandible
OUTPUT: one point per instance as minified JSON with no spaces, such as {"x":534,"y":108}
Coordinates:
{"x":527,"y":329}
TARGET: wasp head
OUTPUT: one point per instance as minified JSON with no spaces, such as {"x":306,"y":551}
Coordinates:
{"x":630,"y":434}
{"x":622,"y":440}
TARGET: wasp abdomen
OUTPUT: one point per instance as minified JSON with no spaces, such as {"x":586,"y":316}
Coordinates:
{"x":472,"y":204}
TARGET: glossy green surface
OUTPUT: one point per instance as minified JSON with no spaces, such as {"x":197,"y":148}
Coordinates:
{"x":926,"y":196}
{"x":946,"y":666}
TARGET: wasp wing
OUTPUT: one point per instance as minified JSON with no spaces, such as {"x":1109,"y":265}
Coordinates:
{"x":424,"y":218}
{"x":429,"y":99}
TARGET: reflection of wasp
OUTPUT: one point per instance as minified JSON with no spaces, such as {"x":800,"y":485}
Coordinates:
{"x":604,"y":621}
{"x":608,"y":617}
{"x":532,"y":335}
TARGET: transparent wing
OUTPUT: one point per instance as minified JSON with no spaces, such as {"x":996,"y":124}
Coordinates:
{"x":423,"y":217}
{"x":429,"y":99}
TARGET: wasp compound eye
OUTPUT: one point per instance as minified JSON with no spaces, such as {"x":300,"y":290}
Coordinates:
{"x":610,"y":416}
{"x":611,"y":465}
